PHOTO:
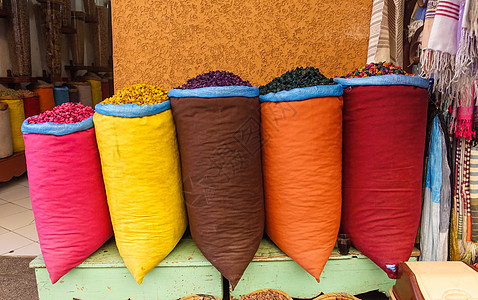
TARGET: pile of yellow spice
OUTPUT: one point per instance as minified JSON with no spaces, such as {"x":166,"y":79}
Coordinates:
{"x":140,"y":94}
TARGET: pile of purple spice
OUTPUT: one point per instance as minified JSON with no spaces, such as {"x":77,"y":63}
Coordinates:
{"x":214,"y":78}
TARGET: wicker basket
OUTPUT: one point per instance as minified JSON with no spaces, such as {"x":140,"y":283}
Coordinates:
{"x":265,"y":290}
{"x":336,"y":296}
{"x":199,"y":297}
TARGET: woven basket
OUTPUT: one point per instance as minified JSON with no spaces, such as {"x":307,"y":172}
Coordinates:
{"x":265,"y":290}
{"x":199,"y":297}
{"x":336,"y":296}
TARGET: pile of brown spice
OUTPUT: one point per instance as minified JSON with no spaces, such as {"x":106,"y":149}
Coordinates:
{"x":265,"y":295}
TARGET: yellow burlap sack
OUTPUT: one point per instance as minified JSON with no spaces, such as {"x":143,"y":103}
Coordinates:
{"x":17,"y":116}
{"x":141,"y":170}
{"x":96,"y":93}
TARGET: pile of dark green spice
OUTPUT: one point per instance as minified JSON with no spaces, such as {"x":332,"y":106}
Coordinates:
{"x":297,"y":78}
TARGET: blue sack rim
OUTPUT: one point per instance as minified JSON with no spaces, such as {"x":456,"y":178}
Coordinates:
{"x":132,"y":110}
{"x":392,"y":79}
{"x":60,"y":88}
{"x":216,"y":92}
{"x":304,"y":93}
{"x":55,"y":128}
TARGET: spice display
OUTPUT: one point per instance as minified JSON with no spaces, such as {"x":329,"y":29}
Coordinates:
{"x":100,"y":37}
{"x":73,"y":94}
{"x":6,"y":146}
{"x":376,"y":69}
{"x":95,"y":82}
{"x":214,"y":78}
{"x":64,"y":114}
{"x":17,"y":115}
{"x":266,"y":295}
{"x":18,"y":32}
{"x":84,"y":92}
{"x":27,"y":93}
{"x":51,"y":25}
{"x":384,"y":133}
{"x":9,"y":94}
{"x":60,"y":94}
{"x":219,"y":141}
{"x":45,"y":92}
{"x":77,"y":41}
{"x":298,"y":78}
{"x":302,"y":165}
{"x":144,"y":136}
{"x":72,"y":221}
{"x":140,"y":94}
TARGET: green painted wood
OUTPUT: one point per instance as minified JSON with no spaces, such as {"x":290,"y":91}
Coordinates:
{"x":352,"y":274}
{"x":104,"y":276}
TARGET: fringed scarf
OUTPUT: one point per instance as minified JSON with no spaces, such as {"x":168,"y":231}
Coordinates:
{"x":464,"y":125}
{"x":429,"y":18}
{"x":467,"y":56}
{"x":439,"y":56}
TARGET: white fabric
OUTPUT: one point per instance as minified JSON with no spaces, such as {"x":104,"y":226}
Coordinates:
{"x":443,"y":35}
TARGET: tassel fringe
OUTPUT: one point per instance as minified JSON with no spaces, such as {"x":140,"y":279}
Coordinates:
{"x":442,"y":66}
{"x":470,"y":252}
{"x":464,"y":129}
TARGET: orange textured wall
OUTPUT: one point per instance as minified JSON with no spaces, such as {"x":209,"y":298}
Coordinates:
{"x":167,"y":42}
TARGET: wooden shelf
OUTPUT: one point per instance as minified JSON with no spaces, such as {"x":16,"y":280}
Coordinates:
{"x":14,"y":165}
{"x":17,"y":79}
{"x":53,"y":79}
{"x":4,"y":13}
{"x":88,"y":68}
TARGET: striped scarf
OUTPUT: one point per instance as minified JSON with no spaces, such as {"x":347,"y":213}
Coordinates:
{"x":386,"y":32}
{"x":473,"y":205}
{"x":465,"y":190}
{"x":439,"y":55}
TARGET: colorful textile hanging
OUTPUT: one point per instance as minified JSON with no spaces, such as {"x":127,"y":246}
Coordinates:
{"x":465,"y":191}
{"x":474,"y":193}
{"x":437,"y":199}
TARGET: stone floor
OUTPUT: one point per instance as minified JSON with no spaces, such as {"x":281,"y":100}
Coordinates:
{"x":18,"y":241}
{"x":18,"y":235}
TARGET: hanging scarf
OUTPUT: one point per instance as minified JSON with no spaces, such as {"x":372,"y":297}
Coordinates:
{"x":437,"y":197}
{"x":464,"y":126}
{"x":429,"y":18}
{"x":430,"y":220}
{"x":467,"y":55}
{"x":445,"y":197}
{"x":386,"y":32}
{"x":378,"y":44}
{"x":473,"y":211}
{"x":465,"y":191}
{"x":439,"y":57}
{"x":395,"y":24}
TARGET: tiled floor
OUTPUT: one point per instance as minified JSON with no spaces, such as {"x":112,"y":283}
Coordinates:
{"x":18,"y":235}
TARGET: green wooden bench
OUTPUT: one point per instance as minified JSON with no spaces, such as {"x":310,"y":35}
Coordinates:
{"x":186,"y":271}
{"x":352,"y":274}
{"x":103,"y":275}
